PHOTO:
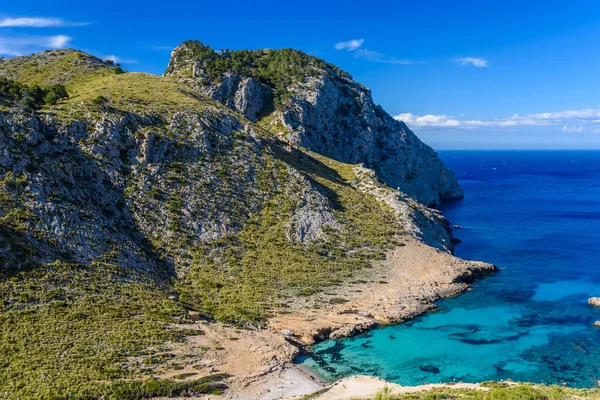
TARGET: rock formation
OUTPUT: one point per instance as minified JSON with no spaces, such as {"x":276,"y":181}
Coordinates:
{"x":321,"y":109}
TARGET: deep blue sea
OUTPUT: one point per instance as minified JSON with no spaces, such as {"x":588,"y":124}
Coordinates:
{"x":536,"y":215}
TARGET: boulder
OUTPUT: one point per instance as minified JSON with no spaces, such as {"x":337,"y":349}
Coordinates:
{"x":594,"y":301}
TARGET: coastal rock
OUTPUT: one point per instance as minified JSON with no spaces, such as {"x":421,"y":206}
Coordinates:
{"x":322,"y":109}
{"x":426,"y":224}
{"x":594,"y":301}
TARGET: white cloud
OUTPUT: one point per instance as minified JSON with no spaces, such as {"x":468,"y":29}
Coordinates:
{"x":428,"y":120}
{"x":366,"y":54}
{"x":473,"y":61}
{"x":59,"y":41}
{"x":120,"y":60}
{"x":382,"y":58}
{"x":350,"y":45}
{"x":573,"y":128}
{"x":37,"y":22}
{"x":22,"y":45}
{"x":571,"y":120}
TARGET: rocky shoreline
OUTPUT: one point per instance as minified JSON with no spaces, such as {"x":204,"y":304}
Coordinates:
{"x":404,"y":285}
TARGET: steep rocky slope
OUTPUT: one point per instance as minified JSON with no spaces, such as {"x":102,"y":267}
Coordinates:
{"x":319,"y":107}
{"x":138,"y":204}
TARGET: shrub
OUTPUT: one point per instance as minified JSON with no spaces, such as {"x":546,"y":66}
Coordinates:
{"x":100,"y":100}
{"x":55,"y":93}
{"x":14,"y":93}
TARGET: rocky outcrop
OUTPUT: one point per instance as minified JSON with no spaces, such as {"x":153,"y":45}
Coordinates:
{"x":324,"y":110}
{"x":425,"y":224}
{"x":336,"y":117}
{"x":120,"y":187}
{"x":244,"y":95}
{"x":312,"y":214}
{"x":594,"y":301}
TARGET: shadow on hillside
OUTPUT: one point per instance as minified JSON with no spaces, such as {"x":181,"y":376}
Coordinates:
{"x":84,"y":192}
{"x":16,"y":252}
{"x":310,"y":166}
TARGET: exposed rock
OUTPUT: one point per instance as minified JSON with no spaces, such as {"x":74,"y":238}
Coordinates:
{"x":594,"y":301}
{"x":426,"y":224}
{"x":312,"y":214}
{"x":244,"y":95}
{"x":329,"y":113}
{"x":87,"y":184}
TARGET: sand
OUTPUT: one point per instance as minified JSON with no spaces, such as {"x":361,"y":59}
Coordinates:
{"x":366,"y":387}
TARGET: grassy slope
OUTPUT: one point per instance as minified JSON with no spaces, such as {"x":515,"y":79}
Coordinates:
{"x":69,"y":330}
{"x":249,"y":275}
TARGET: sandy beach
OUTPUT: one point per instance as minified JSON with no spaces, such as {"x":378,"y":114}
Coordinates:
{"x":366,"y":387}
{"x":260,"y":362}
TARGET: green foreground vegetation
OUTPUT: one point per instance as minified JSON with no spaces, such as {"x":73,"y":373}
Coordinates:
{"x":498,"y":391}
{"x":67,"y":330}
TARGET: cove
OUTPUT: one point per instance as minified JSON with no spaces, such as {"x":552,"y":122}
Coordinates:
{"x":535,"y":214}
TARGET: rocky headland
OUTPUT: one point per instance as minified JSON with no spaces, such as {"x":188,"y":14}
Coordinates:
{"x":189,"y":235}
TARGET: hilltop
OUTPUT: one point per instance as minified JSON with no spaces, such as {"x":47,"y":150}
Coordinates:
{"x":260,"y":189}
{"x":316,"y":105}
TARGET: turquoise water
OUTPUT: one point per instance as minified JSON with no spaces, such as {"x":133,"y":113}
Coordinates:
{"x":536,"y":215}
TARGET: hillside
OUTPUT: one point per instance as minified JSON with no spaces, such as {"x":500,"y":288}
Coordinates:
{"x":135,"y":205}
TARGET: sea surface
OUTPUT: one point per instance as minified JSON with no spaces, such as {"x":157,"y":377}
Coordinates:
{"x":536,"y":215}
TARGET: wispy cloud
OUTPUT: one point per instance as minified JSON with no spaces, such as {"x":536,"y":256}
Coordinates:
{"x":38,"y":22}
{"x":120,"y":60}
{"x":571,"y":120}
{"x":376,"y":56}
{"x":22,"y":45}
{"x":366,"y":54}
{"x":472,"y":61}
{"x":350,"y":45}
{"x":573,"y":128}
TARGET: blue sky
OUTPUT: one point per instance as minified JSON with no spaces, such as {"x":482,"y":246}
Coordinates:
{"x":462,"y":74}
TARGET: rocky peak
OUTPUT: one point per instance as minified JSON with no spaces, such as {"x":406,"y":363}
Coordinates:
{"x":316,"y":105}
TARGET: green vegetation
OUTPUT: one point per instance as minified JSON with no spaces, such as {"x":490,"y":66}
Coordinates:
{"x":497,"y":391}
{"x":89,"y":80}
{"x":66,"y":328}
{"x":276,"y":68}
{"x":52,"y":67}
{"x":243,"y":278}
{"x":149,"y":388}
{"x":13,"y":93}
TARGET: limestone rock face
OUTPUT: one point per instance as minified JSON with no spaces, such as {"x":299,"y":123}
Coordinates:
{"x":120,"y":187}
{"x":327,"y":112}
{"x":243,"y":95}
{"x":336,"y":117}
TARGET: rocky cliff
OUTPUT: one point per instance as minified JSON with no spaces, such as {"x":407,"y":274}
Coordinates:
{"x":317,"y":106}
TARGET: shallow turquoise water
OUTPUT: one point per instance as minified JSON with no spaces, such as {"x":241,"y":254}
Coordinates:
{"x":535,"y":215}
